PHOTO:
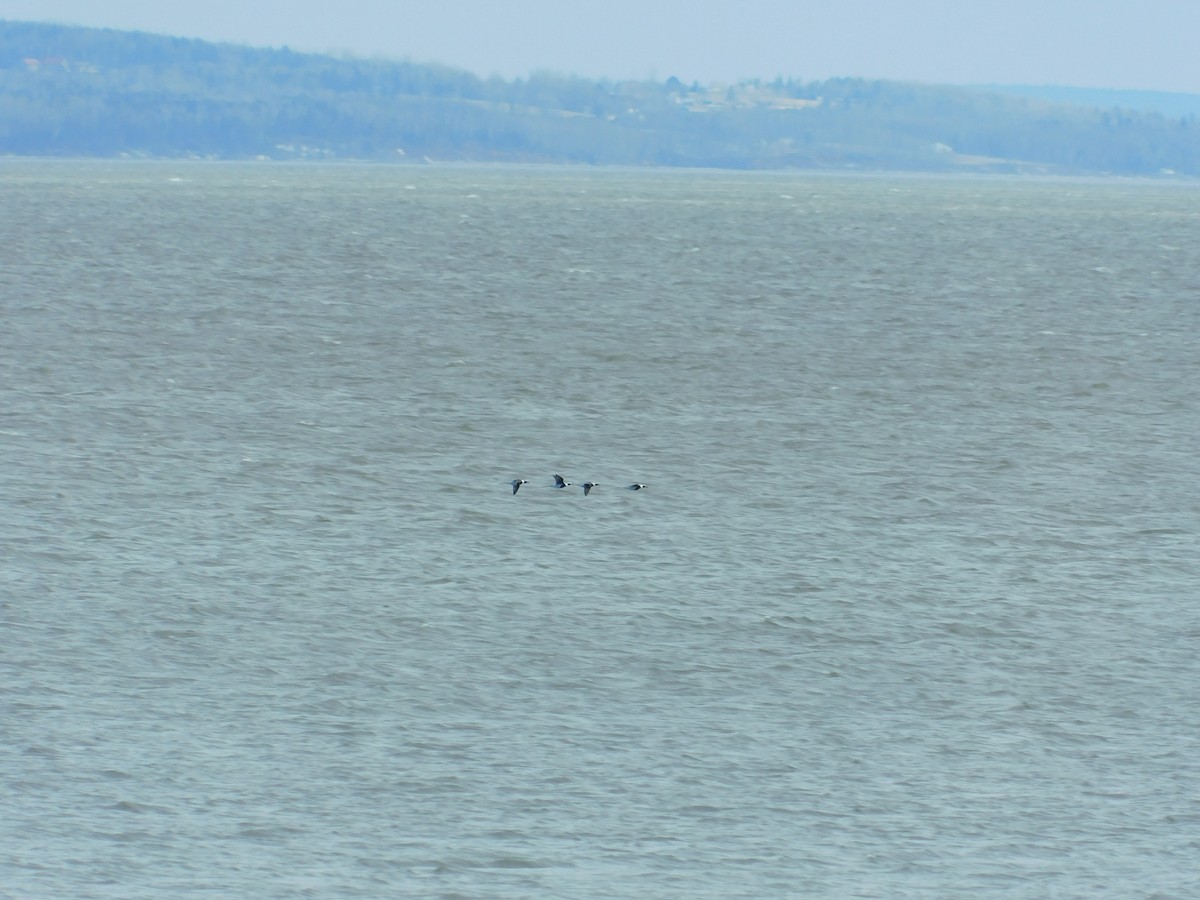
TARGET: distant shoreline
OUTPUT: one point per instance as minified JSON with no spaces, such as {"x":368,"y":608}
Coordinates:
{"x":1187,"y":181}
{"x":99,"y":93}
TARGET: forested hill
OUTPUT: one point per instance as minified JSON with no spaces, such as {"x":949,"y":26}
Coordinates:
{"x":68,"y":91}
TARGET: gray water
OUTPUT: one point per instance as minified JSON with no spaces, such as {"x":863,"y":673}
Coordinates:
{"x":908,"y":608}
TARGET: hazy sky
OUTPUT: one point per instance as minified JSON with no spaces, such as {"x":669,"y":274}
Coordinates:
{"x":1150,"y":44}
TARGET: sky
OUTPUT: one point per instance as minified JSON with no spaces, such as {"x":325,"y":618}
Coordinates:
{"x":1130,"y":44}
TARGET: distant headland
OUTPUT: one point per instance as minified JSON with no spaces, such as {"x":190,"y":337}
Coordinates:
{"x":86,"y":92}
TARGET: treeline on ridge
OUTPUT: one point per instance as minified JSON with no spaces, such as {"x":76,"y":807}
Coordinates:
{"x":67,"y":91}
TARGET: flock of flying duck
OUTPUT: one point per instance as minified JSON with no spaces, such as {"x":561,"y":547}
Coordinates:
{"x":560,"y":482}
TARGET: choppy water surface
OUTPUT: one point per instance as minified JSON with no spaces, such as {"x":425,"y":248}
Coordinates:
{"x":908,"y":607}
